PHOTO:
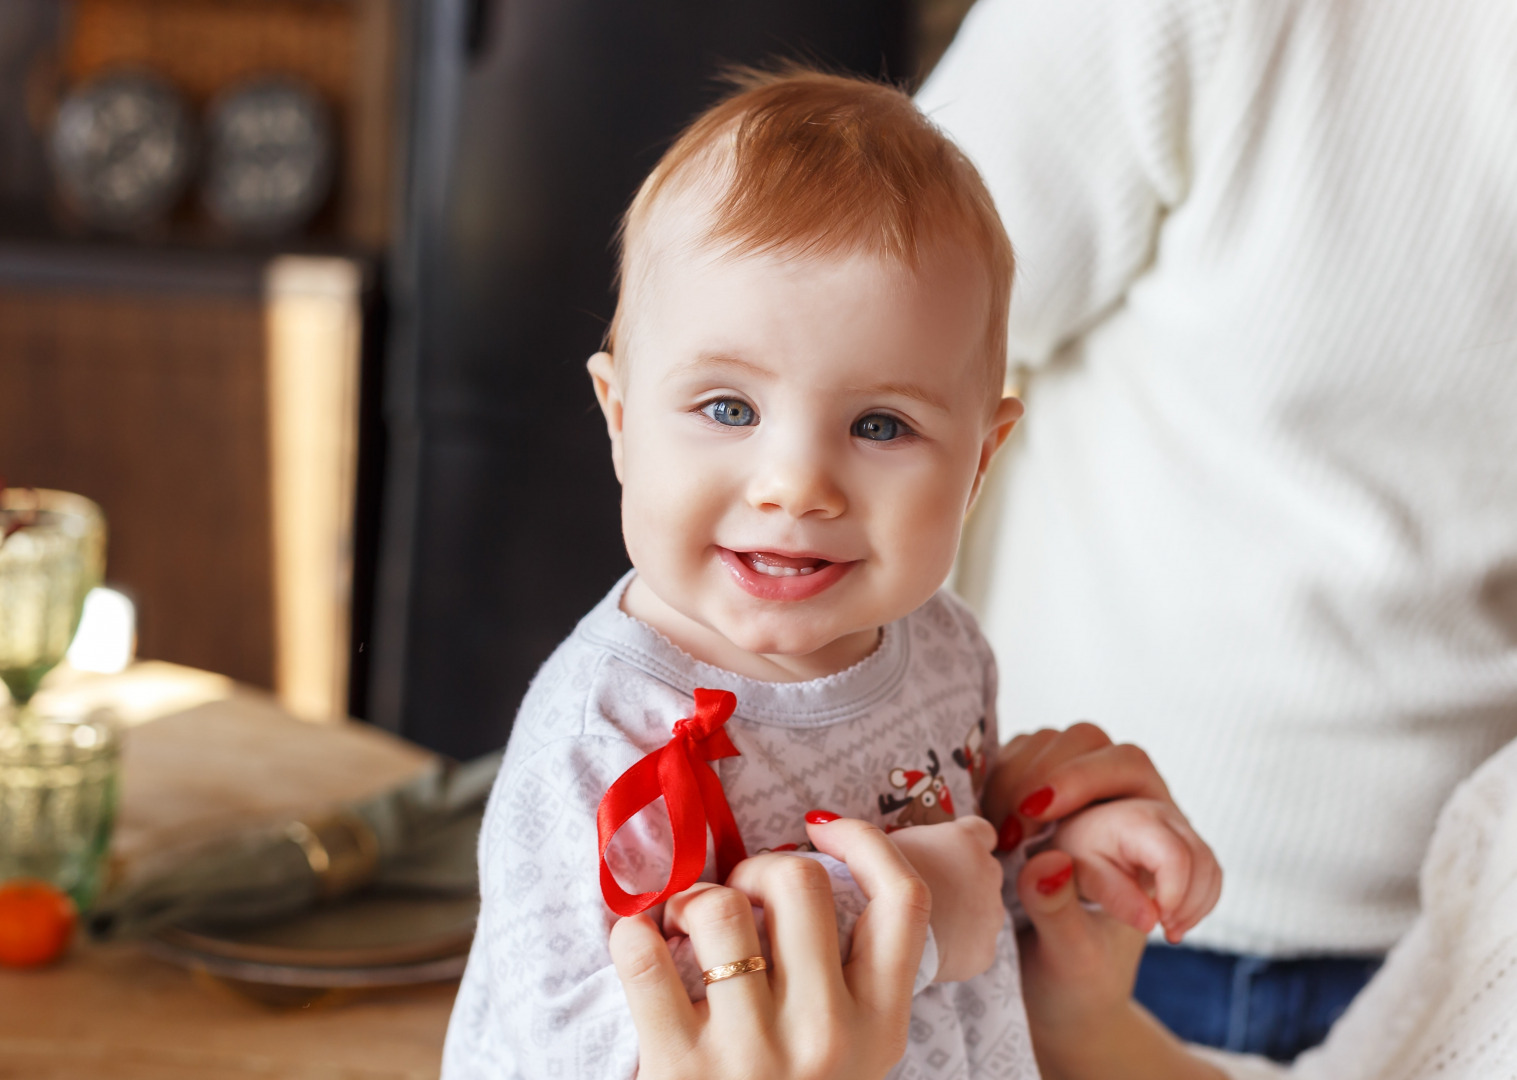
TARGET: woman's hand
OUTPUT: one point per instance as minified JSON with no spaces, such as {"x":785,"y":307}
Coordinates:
{"x":1134,"y":852}
{"x":1078,"y":969}
{"x":1050,"y":774}
{"x":809,"y":1017}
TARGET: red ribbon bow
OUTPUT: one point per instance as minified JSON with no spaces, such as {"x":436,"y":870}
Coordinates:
{"x":692,"y":795}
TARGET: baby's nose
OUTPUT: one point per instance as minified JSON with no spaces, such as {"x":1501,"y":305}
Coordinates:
{"x":799,"y":486}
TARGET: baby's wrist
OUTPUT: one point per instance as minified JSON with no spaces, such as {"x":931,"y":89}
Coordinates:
{"x":930,"y":964}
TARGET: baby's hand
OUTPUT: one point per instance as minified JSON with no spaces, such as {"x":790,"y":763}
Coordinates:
{"x":955,"y":860}
{"x":1136,"y":854}
{"x":1143,"y":863}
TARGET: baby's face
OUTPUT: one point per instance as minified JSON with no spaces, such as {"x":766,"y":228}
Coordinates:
{"x":798,"y":440}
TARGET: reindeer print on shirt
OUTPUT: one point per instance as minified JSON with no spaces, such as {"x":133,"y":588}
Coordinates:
{"x":971,"y":756}
{"x":926,"y":799}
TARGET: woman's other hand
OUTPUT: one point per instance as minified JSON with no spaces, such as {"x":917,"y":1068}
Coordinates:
{"x":809,"y":1017}
{"x":1048,"y":775}
{"x":1078,"y":969}
{"x":1135,"y":853}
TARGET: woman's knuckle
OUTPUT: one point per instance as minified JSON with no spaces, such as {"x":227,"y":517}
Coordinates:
{"x":825,"y":1056}
{"x":641,"y":964}
{"x":800,"y":875}
{"x":830,"y":1043}
{"x":686,"y":1063}
{"x":718,"y":909}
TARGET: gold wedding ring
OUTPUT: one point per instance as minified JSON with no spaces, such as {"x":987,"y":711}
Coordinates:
{"x":740,"y":967}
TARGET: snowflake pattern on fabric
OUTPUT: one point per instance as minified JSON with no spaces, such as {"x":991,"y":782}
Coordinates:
{"x":540,"y":997}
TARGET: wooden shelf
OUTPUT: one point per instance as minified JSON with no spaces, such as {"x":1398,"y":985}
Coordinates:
{"x":208,"y":399}
{"x":102,"y":263}
{"x":344,"y":50}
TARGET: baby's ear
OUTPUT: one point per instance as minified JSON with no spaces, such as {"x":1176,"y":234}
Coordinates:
{"x":608,"y":392}
{"x":1008,"y":412}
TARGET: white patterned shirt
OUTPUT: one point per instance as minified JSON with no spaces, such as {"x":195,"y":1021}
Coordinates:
{"x":900,"y":738}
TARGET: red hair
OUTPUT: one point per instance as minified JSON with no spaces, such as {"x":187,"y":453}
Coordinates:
{"x":816,"y":164}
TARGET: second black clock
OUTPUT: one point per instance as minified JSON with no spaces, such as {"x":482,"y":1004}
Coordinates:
{"x":269,"y":157}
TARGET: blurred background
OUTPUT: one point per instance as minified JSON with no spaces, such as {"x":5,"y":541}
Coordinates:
{"x":300,"y":291}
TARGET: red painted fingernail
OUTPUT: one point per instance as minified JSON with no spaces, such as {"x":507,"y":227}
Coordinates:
{"x":1011,"y":834}
{"x":1054,"y":882}
{"x":1037,"y":802}
{"x":820,"y":817}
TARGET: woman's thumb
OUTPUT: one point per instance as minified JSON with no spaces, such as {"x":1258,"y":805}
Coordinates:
{"x":1046,"y":887}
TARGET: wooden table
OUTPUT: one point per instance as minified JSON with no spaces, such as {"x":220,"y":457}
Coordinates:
{"x":211,"y":757}
{"x":114,"y":1013}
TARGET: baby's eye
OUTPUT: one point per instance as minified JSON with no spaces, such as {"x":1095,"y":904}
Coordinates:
{"x":731,"y":411}
{"x":879,"y":427}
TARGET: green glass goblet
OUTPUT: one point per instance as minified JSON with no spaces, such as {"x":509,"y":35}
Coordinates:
{"x":52,"y":555}
{"x":58,"y":774}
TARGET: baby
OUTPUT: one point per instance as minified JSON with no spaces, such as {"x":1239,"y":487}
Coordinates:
{"x":803,"y":390}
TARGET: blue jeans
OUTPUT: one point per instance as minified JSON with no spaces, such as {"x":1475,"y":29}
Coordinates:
{"x":1250,"y":1004}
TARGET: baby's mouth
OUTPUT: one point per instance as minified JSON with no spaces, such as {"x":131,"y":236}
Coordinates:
{"x":771,"y":576}
{"x":772,"y":565}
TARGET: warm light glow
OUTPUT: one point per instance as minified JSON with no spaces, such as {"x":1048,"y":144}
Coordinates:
{"x":107,"y":637}
{"x":313,"y":328}
{"x":145,"y":691}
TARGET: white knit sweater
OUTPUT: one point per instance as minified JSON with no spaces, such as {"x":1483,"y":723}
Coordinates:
{"x":1262,"y":515}
{"x":1444,"y":1007}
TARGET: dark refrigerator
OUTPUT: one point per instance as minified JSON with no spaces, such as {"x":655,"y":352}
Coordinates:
{"x":488,"y":487}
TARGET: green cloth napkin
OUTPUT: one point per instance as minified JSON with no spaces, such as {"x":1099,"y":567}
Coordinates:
{"x":425,"y":831}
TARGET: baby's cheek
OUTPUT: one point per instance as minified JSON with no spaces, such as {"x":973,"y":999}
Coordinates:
{"x":928,"y":544}
{"x":666,"y":512}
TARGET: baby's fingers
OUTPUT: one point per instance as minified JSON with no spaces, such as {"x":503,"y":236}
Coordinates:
{"x":1185,"y":875}
{"x":1117,"y":893}
{"x":1202,"y":893}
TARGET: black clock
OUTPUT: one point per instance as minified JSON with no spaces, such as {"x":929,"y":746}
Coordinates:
{"x":269,"y":157}
{"x":122,"y":148}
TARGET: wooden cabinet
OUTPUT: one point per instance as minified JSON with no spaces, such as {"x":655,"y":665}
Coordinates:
{"x":209,"y":403}
{"x":140,"y":383}
{"x":202,"y":386}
